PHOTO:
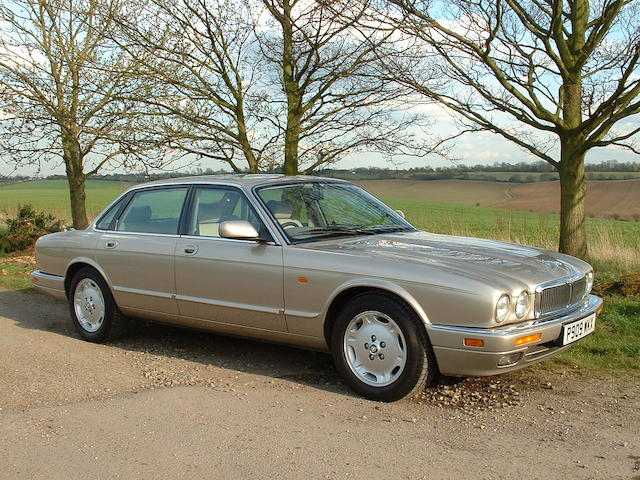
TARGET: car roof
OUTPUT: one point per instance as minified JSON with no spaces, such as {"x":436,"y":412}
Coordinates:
{"x":246,"y":181}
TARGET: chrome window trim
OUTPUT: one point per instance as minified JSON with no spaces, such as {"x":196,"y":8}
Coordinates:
{"x":248,"y":194}
{"x":245,"y":241}
{"x":146,"y":234}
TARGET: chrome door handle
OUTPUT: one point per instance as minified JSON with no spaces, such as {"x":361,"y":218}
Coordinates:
{"x":190,"y":249}
{"x":111,"y":244}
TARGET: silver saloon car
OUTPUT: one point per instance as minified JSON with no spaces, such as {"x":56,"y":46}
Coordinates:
{"x":321,"y":264}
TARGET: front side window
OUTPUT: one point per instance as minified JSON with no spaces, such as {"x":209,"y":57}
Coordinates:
{"x":153,"y":211}
{"x":214,"y":205}
{"x":310,"y":211}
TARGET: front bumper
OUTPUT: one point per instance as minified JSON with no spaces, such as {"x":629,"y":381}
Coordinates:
{"x":454,"y":358}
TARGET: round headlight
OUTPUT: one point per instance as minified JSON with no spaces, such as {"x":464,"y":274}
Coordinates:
{"x":502,"y":308}
{"x":589,"y":282}
{"x":522,"y":305}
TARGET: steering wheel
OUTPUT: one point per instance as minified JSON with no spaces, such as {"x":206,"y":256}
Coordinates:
{"x":291,"y":224}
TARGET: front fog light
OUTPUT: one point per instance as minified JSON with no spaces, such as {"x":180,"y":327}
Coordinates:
{"x":511,"y":359}
{"x":502,"y":308}
{"x":589,"y":282}
{"x":522,"y":305}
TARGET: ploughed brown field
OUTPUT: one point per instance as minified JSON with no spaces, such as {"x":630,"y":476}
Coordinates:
{"x":466,"y":192}
{"x":607,"y":199}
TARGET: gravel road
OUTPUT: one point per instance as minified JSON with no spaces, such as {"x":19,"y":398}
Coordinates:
{"x":171,"y":404}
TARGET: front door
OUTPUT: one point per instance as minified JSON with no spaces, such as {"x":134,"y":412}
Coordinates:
{"x":234,"y":282}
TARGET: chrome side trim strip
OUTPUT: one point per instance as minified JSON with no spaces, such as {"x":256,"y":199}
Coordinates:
{"x":301,"y":314}
{"x":220,"y":303}
{"x":147,"y":293}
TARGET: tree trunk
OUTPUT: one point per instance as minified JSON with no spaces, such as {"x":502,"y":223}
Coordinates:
{"x":76,"y":179}
{"x":293,"y":93}
{"x":573,"y":235}
{"x":291,"y":139}
{"x":78,"y":201}
{"x":245,"y":143}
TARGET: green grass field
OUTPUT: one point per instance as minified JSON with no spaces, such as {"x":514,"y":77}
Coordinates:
{"x":53,"y":196}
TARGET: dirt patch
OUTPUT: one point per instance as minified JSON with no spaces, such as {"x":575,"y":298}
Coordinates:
{"x":626,"y":286}
{"x":23,"y":257}
{"x":617,"y":199}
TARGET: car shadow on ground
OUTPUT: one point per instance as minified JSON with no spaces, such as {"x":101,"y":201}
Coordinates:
{"x":32,"y":310}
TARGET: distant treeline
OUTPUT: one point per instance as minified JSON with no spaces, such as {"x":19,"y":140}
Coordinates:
{"x":521,"y":172}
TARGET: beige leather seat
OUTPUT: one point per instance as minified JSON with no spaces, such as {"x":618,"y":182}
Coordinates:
{"x":209,"y":219}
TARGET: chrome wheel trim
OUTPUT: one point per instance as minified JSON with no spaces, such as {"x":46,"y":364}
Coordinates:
{"x":89,"y":305}
{"x":375,"y":349}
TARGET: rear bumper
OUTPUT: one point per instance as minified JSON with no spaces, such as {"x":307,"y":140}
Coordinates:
{"x":454,"y":358}
{"x":50,"y":284}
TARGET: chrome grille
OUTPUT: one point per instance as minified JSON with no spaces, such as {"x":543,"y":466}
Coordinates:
{"x":561,"y":296}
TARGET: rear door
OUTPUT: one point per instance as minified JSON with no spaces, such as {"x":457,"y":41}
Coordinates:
{"x":236,"y":282}
{"x":138,"y":254}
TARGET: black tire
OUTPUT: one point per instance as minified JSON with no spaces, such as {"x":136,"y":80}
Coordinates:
{"x":112,"y":323}
{"x":420,"y":366}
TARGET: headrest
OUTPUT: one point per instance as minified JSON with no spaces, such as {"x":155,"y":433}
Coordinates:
{"x":209,"y":211}
{"x":280,"y":209}
{"x":138,"y":214}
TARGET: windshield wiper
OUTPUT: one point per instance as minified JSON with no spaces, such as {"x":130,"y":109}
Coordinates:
{"x":353,"y":230}
{"x":337,"y":230}
{"x":384,"y":229}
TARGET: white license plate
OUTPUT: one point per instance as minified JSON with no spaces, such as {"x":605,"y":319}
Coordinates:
{"x":576,"y":330}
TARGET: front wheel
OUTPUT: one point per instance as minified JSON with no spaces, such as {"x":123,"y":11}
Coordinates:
{"x":94,"y":312}
{"x":381,"y":348}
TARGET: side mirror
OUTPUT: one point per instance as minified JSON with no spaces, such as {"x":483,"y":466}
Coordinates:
{"x":401,"y":213}
{"x":239,"y":230}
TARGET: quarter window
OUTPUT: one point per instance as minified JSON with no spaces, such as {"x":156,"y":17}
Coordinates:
{"x":153,"y":211}
{"x":106,"y":220}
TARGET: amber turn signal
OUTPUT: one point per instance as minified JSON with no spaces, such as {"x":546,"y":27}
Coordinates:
{"x":528,"y":339}
{"x":473,"y":342}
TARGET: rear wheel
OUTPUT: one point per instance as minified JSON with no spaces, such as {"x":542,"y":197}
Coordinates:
{"x":94,"y":312}
{"x":381,"y":348}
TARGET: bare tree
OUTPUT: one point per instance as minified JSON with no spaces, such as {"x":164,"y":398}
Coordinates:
{"x":556,"y":78}
{"x":64,"y":89}
{"x":203,"y":57}
{"x":333,"y":101}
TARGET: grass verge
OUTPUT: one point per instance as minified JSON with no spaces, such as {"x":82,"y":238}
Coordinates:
{"x":15,"y":276}
{"x":615,"y":345}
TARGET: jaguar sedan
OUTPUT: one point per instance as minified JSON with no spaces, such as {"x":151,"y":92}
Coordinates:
{"x":320,"y":264}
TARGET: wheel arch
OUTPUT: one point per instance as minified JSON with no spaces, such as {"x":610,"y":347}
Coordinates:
{"x":344,"y":294}
{"x":78,"y":264}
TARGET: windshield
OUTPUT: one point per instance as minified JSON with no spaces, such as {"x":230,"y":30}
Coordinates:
{"x":315,"y":210}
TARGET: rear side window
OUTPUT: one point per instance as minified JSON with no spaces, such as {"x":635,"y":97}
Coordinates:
{"x":153,"y":211}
